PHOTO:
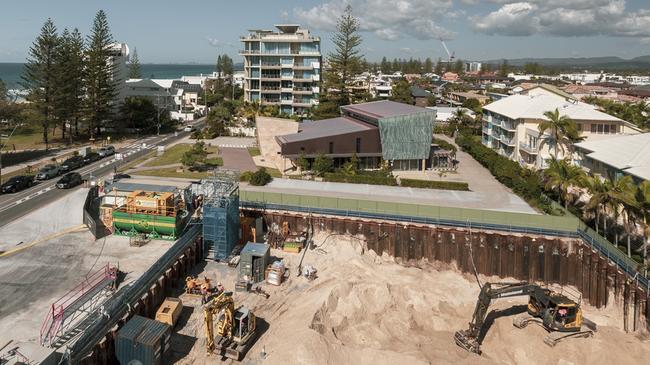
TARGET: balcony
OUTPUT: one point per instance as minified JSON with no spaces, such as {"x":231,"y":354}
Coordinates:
{"x":300,"y":66}
{"x":268,"y":65}
{"x":510,"y":141}
{"x":302,"y":78}
{"x":286,"y":101}
{"x":486,"y":130}
{"x":528,"y":148}
{"x":271,"y":89}
{"x":508,"y":126}
{"x":302,"y":90}
{"x":496,"y":134}
{"x":270,"y":77}
{"x":301,"y":102}
{"x":505,"y":153}
{"x":270,"y":101}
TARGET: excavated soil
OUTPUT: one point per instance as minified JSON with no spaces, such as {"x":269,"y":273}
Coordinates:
{"x":367,"y":309}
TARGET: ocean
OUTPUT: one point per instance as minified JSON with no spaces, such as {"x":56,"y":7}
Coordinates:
{"x":11,"y":73}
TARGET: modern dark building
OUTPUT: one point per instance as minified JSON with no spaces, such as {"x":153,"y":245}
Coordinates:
{"x":375,"y":131}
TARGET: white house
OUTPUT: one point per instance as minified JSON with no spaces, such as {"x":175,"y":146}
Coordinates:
{"x":510,"y":125}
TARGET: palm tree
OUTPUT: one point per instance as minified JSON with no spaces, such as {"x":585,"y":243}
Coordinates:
{"x":599,"y":190}
{"x":561,"y":176}
{"x":562,"y":131}
{"x":643,"y":204}
{"x":622,"y":200}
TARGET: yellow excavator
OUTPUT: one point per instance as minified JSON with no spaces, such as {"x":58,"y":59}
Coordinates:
{"x":555,"y":312}
{"x":235,"y":329}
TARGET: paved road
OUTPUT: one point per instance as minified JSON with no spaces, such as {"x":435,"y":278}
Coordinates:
{"x":13,"y":206}
{"x":237,"y":159}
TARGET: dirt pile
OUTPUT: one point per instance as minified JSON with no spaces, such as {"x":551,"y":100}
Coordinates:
{"x":365,"y":309}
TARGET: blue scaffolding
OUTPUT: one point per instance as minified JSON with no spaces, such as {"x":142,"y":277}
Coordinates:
{"x":220,"y":213}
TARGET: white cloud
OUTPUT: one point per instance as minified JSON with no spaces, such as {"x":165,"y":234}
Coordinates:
{"x":564,"y":18}
{"x":387,"y":19}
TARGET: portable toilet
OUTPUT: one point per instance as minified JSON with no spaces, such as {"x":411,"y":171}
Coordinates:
{"x":253,"y":259}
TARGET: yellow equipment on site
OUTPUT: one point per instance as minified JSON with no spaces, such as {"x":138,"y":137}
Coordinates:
{"x":556,"y":313}
{"x":235,"y":329}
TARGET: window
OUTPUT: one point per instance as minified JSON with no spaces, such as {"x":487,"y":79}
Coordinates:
{"x":358,"y":145}
{"x":331,"y":147}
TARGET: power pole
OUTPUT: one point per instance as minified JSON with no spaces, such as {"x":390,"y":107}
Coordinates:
{"x":2,"y":146}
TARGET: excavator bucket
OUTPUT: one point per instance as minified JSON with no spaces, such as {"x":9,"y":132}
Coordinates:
{"x":467,"y":341}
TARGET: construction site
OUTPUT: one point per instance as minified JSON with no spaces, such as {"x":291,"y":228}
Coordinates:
{"x":198,"y":272}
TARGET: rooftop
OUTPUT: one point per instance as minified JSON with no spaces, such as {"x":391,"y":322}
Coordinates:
{"x":326,"y":127}
{"x":419,"y":92}
{"x":382,"y":109}
{"x":534,"y":107}
{"x":629,"y":153}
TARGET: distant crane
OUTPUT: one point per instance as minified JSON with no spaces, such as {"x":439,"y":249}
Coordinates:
{"x":451,"y":55}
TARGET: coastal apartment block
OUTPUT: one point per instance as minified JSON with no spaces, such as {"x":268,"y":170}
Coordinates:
{"x":511,"y":125}
{"x":282,"y":68}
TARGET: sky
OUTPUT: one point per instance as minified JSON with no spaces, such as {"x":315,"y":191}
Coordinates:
{"x":165,"y":31}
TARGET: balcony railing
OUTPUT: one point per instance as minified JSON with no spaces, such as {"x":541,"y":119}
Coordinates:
{"x":508,"y":126}
{"x":273,"y":77}
{"x":270,"y":88}
{"x":528,"y":148}
{"x":269,"y":64}
{"x":510,"y":141}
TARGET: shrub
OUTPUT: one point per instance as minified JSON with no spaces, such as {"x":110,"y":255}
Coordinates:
{"x":428,"y":184}
{"x":260,"y":177}
{"x":322,"y":165}
{"x":245,"y":176}
{"x":364,"y":177}
{"x":445,"y":145}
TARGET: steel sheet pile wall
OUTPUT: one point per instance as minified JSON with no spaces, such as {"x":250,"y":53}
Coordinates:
{"x":565,"y":261}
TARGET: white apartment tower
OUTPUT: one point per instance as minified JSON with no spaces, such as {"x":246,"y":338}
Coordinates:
{"x":282,"y":68}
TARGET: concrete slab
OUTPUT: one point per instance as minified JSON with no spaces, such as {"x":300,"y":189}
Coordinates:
{"x":32,"y":279}
{"x":237,"y":159}
{"x":267,"y":130}
{"x":447,"y":198}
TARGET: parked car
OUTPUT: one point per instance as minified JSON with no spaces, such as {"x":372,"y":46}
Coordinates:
{"x":47,"y":172}
{"x":17,"y":183}
{"x":72,"y":163}
{"x":91,"y":157}
{"x":106,"y":151}
{"x":121,"y":176}
{"x":69,"y":180}
{"x":189,"y":128}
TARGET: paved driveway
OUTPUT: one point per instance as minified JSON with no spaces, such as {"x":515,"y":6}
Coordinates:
{"x":237,"y":159}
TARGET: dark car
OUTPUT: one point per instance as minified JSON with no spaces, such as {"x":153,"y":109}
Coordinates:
{"x":72,"y":163}
{"x":17,"y":183}
{"x":91,"y":157}
{"x":69,"y":180}
{"x":106,"y":151}
{"x":48,"y":172}
{"x":121,"y":176}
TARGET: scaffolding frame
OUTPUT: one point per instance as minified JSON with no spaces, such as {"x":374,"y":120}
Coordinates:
{"x":220,"y":213}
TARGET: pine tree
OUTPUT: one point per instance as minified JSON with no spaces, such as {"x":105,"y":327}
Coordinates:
{"x":227,"y":66}
{"x":39,"y":77}
{"x":428,"y":65}
{"x":219,"y":67}
{"x":3,"y":92}
{"x":346,"y":59}
{"x":385,"y":66}
{"x":396,"y":65}
{"x":504,"y":69}
{"x":439,"y":68}
{"x":100,"y":83}
{"x":69,"y":76}
{"x":134,"y":66}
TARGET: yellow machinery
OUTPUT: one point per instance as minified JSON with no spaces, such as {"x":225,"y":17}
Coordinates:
{"x":152,"y":203}
{"x":235,"y":329}
{"x":556,"y":313}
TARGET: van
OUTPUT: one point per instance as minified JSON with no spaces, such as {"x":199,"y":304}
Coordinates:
{"x":169,"y":311}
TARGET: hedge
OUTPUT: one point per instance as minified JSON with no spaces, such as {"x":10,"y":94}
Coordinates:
{"x":428,"y":184}
{"x":361,"y":178}
{"x":524,"y":182}
{"x":445,"y":145}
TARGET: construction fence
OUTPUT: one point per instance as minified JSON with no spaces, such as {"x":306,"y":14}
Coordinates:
{"x":562,"y":226}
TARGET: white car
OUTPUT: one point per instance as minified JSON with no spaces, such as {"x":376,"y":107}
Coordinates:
{"x":189,"y":128}
{"x":106,"y":151}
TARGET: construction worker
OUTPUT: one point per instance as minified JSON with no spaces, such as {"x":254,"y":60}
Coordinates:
{"x":220,"y":288}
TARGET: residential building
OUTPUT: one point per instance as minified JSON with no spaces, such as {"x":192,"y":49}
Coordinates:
{"x":118,"y":59}
{"x":282,"y":68}
{"x":617,"y":156}
{"x":450,"y":77}
{"x":473,"y":67}
{"x":179,"y":98}
{"x":510,"y":125}
{"x":445,"y":113}
{"x":420,"y":96}
{"x":461,"y":97}
{"x":374,"y":131}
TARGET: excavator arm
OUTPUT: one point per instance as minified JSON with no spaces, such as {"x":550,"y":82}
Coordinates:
{"x":213,"y":308}
{"x":469,"y":339}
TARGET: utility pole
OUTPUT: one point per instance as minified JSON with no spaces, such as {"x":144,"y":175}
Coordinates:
{"x":2,"y":146}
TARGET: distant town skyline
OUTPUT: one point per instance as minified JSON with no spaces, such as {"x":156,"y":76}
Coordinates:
{"x":474,"y":29}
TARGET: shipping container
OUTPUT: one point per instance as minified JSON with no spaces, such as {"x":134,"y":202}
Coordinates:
{"x":253,"y":260}
{"x":143,"y":341}
{"x":169,"y":311}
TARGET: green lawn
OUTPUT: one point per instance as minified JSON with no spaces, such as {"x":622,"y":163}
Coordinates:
{"x":214,"y":161}
{"x":174,"y":154}
{"x":273,"y":172}
{"x":254,"y":151}
{"x":135,"y":162}
{"x":171,"y":172}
